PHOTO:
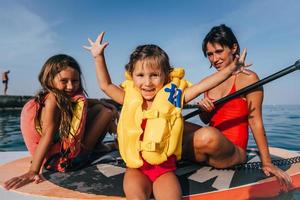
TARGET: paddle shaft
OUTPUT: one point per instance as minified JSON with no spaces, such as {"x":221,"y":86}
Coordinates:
{"x":251,"y":87}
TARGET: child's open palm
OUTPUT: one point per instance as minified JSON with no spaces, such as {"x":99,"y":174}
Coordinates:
{"x":97,"y":48}
{"x":239,"y":63}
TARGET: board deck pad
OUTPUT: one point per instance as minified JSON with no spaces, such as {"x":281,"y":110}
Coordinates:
{"x":104,"y":178}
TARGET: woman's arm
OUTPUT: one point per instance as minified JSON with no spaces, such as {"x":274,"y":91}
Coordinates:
{"x":254,"y":101}
{"x":103,"y":77}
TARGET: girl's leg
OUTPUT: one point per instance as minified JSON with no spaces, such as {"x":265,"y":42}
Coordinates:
{"x":99,"y":120}
{"x":167,"y":187}
{"x":211,"y":146}
{"x":136,"y":185}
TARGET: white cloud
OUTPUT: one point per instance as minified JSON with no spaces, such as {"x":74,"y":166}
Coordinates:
{"x":23,"y":32}
{"x":26,"y":38}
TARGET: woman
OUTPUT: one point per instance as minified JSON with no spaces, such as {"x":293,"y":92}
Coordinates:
{"x":224,"y":143}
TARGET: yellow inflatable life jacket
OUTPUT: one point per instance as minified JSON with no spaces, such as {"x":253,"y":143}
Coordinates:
{"x":163,"y":133}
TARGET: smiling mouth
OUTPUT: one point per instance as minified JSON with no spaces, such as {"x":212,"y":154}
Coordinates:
{"x":218,"y":65}
{"x":148,"y":90}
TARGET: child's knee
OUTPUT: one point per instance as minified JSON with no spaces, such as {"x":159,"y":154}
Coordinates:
{"x":108,"y":112}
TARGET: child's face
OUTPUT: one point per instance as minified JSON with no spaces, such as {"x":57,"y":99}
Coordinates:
{"x":148,"y":79}
{"x":219,"y":56}
{"x":68,"y":80}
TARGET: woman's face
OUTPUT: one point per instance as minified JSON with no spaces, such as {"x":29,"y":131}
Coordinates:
{"x":220,"y":56}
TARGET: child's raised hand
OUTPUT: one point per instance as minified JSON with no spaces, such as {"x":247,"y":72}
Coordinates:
{"x":239,"y":63}
{"x":97,"y":48}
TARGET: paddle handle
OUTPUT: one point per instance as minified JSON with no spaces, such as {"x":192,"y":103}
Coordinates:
{"x":251,"y":87}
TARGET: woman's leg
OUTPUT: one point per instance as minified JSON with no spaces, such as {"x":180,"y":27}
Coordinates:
{"x":187,"y":140}
{"x":136,"y":185}
{"x":167,"y":187}
{"x":209,"y":145}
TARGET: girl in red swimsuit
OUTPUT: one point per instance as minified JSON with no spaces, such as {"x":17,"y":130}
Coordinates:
{"x":224,"y":143}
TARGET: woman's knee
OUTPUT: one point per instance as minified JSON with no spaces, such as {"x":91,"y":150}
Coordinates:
{"x":206,"y":137}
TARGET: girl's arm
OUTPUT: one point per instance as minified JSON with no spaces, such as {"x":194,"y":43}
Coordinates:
{"x":103,"y":77}
{"x":216,"y":78}
{"x":50,"y":127}
{"x":49,"y":124}
{"x":254,"y":101}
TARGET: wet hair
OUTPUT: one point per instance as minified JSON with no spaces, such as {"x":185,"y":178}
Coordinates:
{"x":222,"y":35}
{"x":152,"y":55}
{"x":50,"y":69}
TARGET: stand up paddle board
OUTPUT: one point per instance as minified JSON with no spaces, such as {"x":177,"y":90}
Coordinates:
{"x":103,"y":179}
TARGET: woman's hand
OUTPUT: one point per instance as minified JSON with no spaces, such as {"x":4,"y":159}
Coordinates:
{"x":283,"y":178}
{"x":22,"y":180}
{"x":206,"y":105}
{"x":97,"y":48}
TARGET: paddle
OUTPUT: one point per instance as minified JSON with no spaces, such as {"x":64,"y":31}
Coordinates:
{"x":251,"y":87}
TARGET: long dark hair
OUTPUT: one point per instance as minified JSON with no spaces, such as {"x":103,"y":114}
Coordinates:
{"x":50,"y":69}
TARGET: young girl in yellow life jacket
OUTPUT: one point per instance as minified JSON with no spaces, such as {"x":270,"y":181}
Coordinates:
{"x":59,"y":126}
{"x":150,"y":126}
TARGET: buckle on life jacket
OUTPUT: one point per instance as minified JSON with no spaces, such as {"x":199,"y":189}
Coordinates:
{"x":150,"y":146}
{"x":153,"y":114}
{"x":150,"y":114}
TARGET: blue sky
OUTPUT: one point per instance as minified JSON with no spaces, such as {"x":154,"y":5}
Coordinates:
{"x":32,"y":31}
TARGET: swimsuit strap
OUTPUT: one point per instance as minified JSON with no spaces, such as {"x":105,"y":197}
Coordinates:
{"x":233,"y":88}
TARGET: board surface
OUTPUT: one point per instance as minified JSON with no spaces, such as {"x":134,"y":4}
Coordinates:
{"x":104,"y":178}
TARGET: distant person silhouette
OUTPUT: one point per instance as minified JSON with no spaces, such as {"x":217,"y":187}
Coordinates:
{"x":5,"y":81}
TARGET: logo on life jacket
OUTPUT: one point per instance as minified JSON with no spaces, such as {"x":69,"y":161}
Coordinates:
{"x":175,"y":95}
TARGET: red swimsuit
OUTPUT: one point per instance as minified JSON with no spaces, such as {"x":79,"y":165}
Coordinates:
{"x":231,"y":118}
{"x":154,"y":171}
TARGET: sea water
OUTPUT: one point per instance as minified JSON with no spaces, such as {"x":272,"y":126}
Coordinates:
{"x":282,"y":124}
